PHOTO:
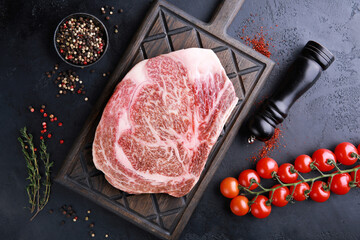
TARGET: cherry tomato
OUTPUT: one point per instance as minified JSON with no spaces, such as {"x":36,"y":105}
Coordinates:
{"x":246,"y":176}
{"x":240,"y":205}
{"x":302,"y":163}
{"x":299,"y":193}
{"x":229,"y":187}
{"x":320,"y":158}
{"x":285,"y":174}
{"x":357,"y":180}
{"x":265,"y":167}
{"x":260,"y":208}
{"x":318,"y":193}
{"x":343,"y":153}
{"x":340,"y":183}
{"x":279,"y":196}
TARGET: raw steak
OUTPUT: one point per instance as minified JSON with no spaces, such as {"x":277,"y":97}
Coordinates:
{"x":161,"y":122}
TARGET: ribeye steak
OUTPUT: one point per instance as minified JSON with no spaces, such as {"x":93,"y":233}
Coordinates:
{"x":160,"y":124}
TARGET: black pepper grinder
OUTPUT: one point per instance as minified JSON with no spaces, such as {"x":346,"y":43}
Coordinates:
{"x":301,"y":75}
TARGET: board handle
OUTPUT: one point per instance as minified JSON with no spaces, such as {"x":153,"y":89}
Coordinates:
{"x":224,"y":16}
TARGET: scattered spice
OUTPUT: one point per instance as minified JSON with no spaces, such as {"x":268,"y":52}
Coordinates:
{"x":258,"y":39}
{"x":270,"y":145}
{"x":87,"y":218}
{"x":51,"y":211}
{"x":88,"y":211}
{"x":121,"y":10}
{"x":106,"y":235}
{"x":91,"y":225}
{"x":80,"y":40}
{"x":107,"y":18}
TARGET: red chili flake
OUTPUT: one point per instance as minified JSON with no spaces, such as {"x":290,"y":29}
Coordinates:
{"x":51,"y":119}
{"x":35,"y":149}
{"x":42,"y":110}
{"x":44,"y":123}
{"x":85,"y":63}
{"x":55,"y":118}
{"x":61,"y":50}
{"x":41,"y":137}
{"x":45,"y":114}
{"x":42,"y":131}
{"x":70,"y":57}
{"x":60,"y":124}
{"x":49,"y":135}
{"x":44,"y":126}
{"x":61,"y":141}
{"x":270,"y":145}
{"x":79,"y":91}
{"x":258,"y":41}
{"x":31,"y":109}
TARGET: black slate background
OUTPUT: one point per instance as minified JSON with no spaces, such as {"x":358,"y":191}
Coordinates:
{"x":326,"y":115}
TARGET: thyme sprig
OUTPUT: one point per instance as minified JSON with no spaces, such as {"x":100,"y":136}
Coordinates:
{"x":36,"y":199}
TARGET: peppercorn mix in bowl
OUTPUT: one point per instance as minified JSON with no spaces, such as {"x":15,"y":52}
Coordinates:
{"x":81,"y":39}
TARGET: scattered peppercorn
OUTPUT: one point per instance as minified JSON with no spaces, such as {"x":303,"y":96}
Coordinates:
{"x":63,"y":212}
{"x":31,"y":109}
{"x":106,"y":235}
{"x":68,"y":81}
{"x":107,"y":18}
{"x":121,"y":10}
{"x":91,"y":225}
{"x":86,"y":218}
{"x":51,"y":211}
{"x":116,"y":31}
{"x":86,"y":99}
{"x":88,"y":211}
{"x":80,"y":40}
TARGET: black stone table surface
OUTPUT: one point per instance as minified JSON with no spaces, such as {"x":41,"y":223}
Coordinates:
{"x":326,"y":115}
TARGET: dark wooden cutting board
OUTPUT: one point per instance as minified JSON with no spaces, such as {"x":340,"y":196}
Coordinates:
{"x":165,"y":29}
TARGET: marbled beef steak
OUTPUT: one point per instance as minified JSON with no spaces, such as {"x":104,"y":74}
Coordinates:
{"x":160,"y":124}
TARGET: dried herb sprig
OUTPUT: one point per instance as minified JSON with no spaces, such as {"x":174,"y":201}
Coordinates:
{"x":36,"y":201}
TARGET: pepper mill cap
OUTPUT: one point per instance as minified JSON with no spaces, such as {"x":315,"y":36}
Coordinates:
{"x":319,"y":53}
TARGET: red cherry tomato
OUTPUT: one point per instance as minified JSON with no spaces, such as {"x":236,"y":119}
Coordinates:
{"x":340,"y":183}
{"x":246,"y":176}
{"x":343,"y":153}
{"x":260,"y":208}
{"x":320,"y":158}
{"x":240,"y":205}
{"x":318,"y":193}
{"x":265,"y":167}
{"x":357,"y":180}
{"x":229,"y":187}
{"x":299,"y":193}
{"x":285,"y":174}
{"x":302,"y":163}
{"x":279,"y":196}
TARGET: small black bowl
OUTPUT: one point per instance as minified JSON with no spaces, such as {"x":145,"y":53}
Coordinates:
{"x":97,"y":22}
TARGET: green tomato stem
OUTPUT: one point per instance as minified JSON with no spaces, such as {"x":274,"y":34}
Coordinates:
{"x":312,"y":180}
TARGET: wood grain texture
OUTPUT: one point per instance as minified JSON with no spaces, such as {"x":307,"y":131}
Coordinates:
{"x":165,"y":29}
